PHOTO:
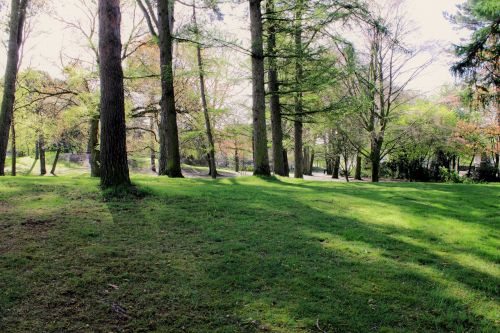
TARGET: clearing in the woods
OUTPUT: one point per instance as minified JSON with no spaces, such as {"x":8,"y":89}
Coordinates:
{"x":248,"y":255}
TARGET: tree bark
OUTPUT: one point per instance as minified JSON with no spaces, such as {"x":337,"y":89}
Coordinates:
{"x":16,"y":24}
{"x":336,"y":167}
{"x":305,"y":160}
{"x":285,"y":162}
{"x":36,"y":158}
{"x":41,"y":151}
{"x":297,"y":124}
{"x":170,"y":158}
{"x":94,"y":156}
{"x":204,"y":104}
{"x":261,"y":157}
{"x":152,"y":153}
{"x":236,"y":160}
{"x":469,"y":172}
{"x":346,"y":170}
{"x":359,"y":161}
{"x":56,"y":159}
{"x":13,"y":170}
{"x":311,"y":163}
{"x":113,"y":147}
{"x":376,"y":146}
{"x":274,"y":99}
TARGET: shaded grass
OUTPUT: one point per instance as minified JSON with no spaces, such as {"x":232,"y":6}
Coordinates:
{"x":248,"y":255}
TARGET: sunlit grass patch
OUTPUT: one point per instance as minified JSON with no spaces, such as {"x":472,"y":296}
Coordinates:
{"x":248,"y":255}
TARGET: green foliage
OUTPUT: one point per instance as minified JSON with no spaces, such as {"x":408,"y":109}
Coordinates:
{"x":450,"y":176}
{"x":479,"y":56}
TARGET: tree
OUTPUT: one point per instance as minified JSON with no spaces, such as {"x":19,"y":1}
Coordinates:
{"x":261,"y":157}
{"x":114,"y":165}
{"x":479,"y":57}
{"x":297,"y":124}
{"x":161,"y":28}
{"x":170,"y":159}
{"x":274,"y":98}
{"x":204,"y":104}
{"x":377,"y":80}
{"x":17,"y":19}
{"x":87,"y":28}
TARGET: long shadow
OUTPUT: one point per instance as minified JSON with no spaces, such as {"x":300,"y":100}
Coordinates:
{"x":467,"y":204}
{"x":273,"y":267}
{"x":230,"y":256}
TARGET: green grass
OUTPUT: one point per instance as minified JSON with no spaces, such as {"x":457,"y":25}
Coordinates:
{"x":248,"y":255}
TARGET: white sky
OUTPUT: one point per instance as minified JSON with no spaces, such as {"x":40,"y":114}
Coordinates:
{"x":44,"y":47}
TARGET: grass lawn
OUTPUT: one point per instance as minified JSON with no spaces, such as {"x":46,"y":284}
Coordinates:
{"x":248,"y":255}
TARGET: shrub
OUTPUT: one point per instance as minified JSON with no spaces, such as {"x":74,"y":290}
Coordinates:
{"x":450,"y":176}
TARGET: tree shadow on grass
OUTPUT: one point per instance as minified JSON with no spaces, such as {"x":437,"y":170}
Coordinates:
{"x":234,"y":256}
{"x":271,"y":262}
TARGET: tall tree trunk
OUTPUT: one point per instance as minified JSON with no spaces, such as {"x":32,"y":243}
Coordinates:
{"x":13,"y":170}
{"x":469,"y":172}
{"x":41,"y":151}
{"x":359,"y":161}
{"x":204,"y":104}
{"x":346,"y":170}
{"x":17,"y":18}
{"x":170,"y":157}
{"x":274,"y":99}
{"x":299,"y":172}
{"x":114,"y":164}
{"x":56,"y":159}
{"x":376,"y":146}
{"x":311,"y":165}
{"x":261,"y":157}
{"x":94,"y":156}
{"x":37,"y":155}
{"x":236,"y":160}
{"x":336,"y":167}
{"x":329,"y":166}
{"x":305,"y":160}
{"x":152,"y":153}
{"x":285,"y":162}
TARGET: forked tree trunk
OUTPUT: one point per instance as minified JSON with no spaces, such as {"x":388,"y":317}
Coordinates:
{"x":261,"y":157}
{"x":94,"y":156}
{"x":113,"y":148}
{"x":170,"y":158}
{"x":17,"y":18}
{"x":274,"y":99}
